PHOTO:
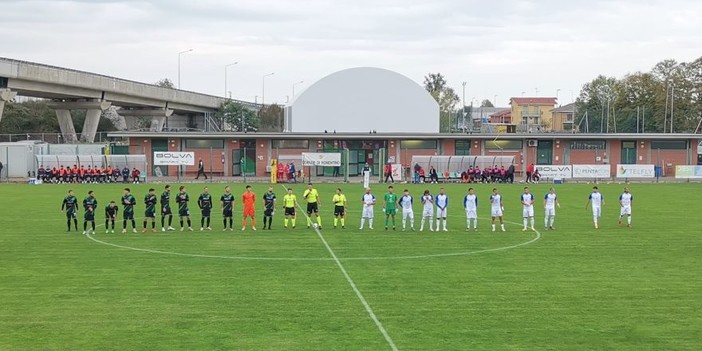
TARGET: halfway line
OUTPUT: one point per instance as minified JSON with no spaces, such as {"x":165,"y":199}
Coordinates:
{"x":365,"y":303}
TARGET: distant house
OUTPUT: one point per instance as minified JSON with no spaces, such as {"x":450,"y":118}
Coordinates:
{"x":503,"y":116}
{"x":532,"y":113}
{"x":564,"y":118}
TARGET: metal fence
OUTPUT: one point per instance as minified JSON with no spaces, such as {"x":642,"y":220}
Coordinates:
{"x":55,"y":138}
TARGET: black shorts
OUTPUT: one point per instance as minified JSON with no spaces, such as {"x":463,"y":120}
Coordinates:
{"x":128,"y":215}
{"x":150,"y":214}
{"x":290,"y":211}
{"x":206,"y":212}
{"x":312,"y":208}
{"x":227,"y":214}
{"x":183,"y":212}
{"x":89,"y":216}
{"x":268,"y":212}
{"x":71,"y":215}
{"x":166,"y":211}
{"x":338,"y":210}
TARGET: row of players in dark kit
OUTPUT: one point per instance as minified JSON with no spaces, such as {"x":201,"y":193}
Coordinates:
{"x":204,"y":202}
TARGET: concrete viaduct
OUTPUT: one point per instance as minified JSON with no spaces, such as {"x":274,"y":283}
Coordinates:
{"x":76,"y":90}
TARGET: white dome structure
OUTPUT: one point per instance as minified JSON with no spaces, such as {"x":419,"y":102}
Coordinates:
{"x":364,"y":99}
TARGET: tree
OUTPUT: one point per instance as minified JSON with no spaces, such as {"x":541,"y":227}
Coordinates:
{"x":237,"y":117}
{"x":445,"y":96}
{"x":271,"y":118}
{"x":165,"y":83}
{"x":486,"y":103}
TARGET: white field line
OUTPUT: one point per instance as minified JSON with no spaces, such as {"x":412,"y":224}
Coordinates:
{"x":363,"y":300}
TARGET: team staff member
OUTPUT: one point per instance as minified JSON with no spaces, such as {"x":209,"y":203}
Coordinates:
{"x":339,"y":201}
{"x":289,"y":202}
{"x":312,"y":197}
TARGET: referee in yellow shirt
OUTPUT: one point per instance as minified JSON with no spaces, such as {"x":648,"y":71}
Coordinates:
{"x":312,"y":197}
{"x":339,"y":201}
{"x":289,"y":202}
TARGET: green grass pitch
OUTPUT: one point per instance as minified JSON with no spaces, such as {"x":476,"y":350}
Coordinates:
{"x":570,"y":289}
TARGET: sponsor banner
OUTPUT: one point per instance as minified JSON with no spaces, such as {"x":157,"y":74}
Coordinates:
{"x":555,"y":171}
{"x":321,"y":159}
{"x":636,"y":171}
{"x":169,"y":158}
{"x":591,"y":171}
{"x":689,"y":172}
{"x":396,"y":172}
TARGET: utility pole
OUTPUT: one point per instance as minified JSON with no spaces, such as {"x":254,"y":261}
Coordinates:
{"x":179,"y":54}
{"x":463,"y":110}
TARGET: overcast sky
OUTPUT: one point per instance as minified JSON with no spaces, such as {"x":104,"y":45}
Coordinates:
{"x":500,"y":47}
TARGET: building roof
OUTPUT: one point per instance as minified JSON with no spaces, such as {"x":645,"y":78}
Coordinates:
{"x":406,"y":136}
{"x":502,"y":113}
{"x":533,"y":100}
{"x":565,"y":108}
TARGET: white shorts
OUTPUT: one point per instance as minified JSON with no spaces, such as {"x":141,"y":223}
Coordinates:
{"x":550,"y":211}
{"x":472,"y":214}
{"x":626,"y":210}
{"x":441,"y":213}
{"x":496,"y":212}
{"x":367,"y":212}
{"x":528,"y":212}
{"x":596,"y":211}
{"x":408,"y":214}
{"x":428,"y":212}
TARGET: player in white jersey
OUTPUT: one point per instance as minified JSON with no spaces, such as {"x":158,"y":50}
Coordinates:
{"x":470,"y":203}
{"x":368,"y":200}
{"x":527,"y":200}
{"x":406,"y":202}
{"x":441,"y":202}
{"x":427,"y":211}
{"x":550,"y":203}
{"x":625,"y":201}
{"x":597,"y":200}
{"x":496,"y":209}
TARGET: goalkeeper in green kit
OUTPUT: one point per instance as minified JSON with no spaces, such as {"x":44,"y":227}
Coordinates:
{"x":390,"y":206}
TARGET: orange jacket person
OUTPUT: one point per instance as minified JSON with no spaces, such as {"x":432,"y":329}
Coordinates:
{"x":249,"y":201}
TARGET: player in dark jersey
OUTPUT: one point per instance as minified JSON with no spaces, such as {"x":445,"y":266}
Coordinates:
{"x":150,"y":201}
{"x":110,"y":216}
{"x":70,"y":205}
{"x":166,"y":209}
{"x":227,"y":200}
{"x":89,"y":204}
{"x":128,"y":201}
{"x":205,"y":204}
{"x":269,"y":205}
{"x":182,"y":201}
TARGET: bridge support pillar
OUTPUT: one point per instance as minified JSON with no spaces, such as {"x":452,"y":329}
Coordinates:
{"x":65,"y":120}
{"x":5,"y":95}
{"x":93,"y":110}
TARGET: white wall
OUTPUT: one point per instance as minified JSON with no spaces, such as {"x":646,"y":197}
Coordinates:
{"x":364,"y":99}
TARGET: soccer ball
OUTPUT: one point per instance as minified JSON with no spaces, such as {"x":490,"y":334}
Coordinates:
{"x":315,"y":225}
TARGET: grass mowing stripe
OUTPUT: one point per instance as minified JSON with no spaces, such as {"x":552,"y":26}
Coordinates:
{"x":365,"y":303}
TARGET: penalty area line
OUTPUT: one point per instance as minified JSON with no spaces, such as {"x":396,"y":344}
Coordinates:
{"x":355,"y":289}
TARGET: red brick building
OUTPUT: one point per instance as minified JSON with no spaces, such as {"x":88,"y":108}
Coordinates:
{"x":223,"y":152}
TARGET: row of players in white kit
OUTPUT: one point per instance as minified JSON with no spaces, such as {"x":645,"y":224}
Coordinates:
{"x":470,"y":204}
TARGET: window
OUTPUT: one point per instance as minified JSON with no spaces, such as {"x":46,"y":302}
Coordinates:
{"x":418,"y":144}
{"x":503,"y":144}
{"x":588,"y":145}
{"x":3,"y":82}
{"x":291,"y":144}
{"x":204,"y":143}
{"x":669,"y":144}
{"x":462,"y":147}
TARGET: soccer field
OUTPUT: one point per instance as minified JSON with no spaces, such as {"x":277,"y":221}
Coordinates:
{"x":575,"y":288}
